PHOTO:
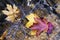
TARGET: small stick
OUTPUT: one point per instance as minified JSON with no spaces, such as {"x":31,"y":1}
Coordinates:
{"x":3,"y":35}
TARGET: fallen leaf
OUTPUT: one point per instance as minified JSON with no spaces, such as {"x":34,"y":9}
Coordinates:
{"x":31,"y":20}
{"x":12,"y":12}
{"x":50,"y":28}
{"x":42,"y":26}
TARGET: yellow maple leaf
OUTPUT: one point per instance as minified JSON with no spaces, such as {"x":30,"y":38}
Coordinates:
{"x":12,"y":12}
{"x":31,"y":19}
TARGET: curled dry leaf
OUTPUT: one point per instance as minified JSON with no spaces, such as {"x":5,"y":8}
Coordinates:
{"x":50,"y":28}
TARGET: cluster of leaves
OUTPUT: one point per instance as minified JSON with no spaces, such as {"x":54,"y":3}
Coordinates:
{"x":37,"y":25}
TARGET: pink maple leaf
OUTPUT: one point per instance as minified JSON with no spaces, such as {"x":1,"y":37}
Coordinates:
{"x":42,"y":25}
